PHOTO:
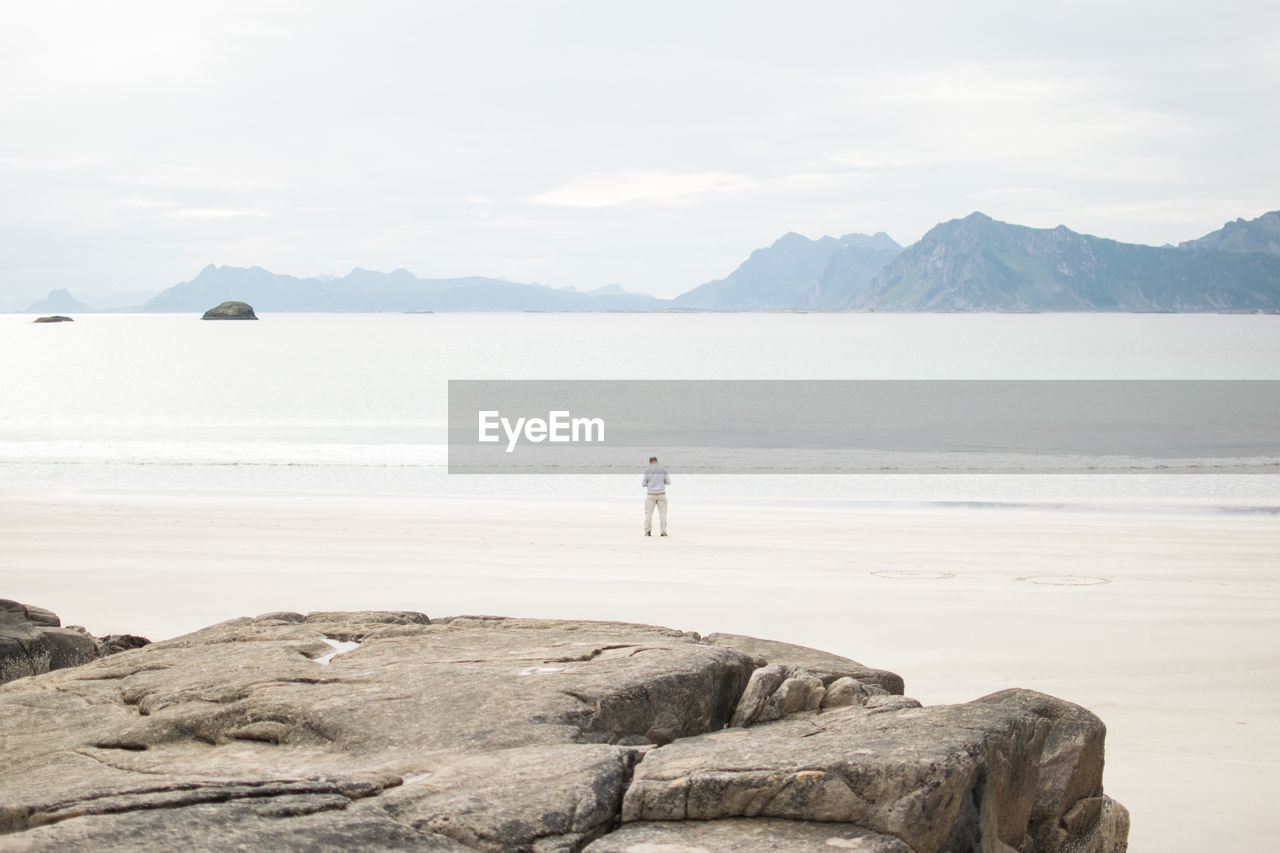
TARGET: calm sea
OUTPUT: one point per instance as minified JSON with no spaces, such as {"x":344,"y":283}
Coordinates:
{"x":356,"y":403}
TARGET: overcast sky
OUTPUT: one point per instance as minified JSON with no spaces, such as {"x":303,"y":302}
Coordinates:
{"x":582,"y":143}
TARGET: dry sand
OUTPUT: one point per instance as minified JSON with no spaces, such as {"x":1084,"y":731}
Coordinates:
{"x":1166,"y":625}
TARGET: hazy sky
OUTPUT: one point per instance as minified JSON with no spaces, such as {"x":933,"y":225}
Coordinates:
{"x":581,"y":143}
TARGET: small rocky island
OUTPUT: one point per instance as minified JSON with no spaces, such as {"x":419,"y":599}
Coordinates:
{"x":389,"y":730}
{"x":54,"y":318}
{"x":231,"y":311}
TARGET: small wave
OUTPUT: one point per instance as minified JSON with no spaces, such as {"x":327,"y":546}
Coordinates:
{"x":223,"y":454}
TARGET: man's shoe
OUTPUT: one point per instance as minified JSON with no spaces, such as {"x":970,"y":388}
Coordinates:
{"x":647,"y":533}
{"x":664,"y":534}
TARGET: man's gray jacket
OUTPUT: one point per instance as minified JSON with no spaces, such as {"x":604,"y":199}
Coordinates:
{"x":655,"y":479}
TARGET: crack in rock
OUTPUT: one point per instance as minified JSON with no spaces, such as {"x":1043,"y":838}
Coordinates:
{"x":183,"y":796}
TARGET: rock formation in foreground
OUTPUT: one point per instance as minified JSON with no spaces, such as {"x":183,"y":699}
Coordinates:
{"x":378,"y":731}
{"x":33,"y":641}
{"x":230,"y":311}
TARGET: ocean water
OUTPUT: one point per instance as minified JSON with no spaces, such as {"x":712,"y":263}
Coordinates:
{"x":338,"y":404}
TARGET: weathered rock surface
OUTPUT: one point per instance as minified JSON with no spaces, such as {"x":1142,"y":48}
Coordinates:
{"x":759,"y":835}
{"x":825,"y":665}
{"x":33,"y":641}
{"x":230,"y":311}
{"x":110,"y":644}
{"x":54,"y":318}
{"x":385,"y":730}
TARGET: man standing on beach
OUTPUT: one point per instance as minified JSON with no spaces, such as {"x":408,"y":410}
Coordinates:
{"x":655,"y":481}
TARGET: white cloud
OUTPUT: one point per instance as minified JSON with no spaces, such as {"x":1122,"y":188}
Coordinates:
{"x":148,"y":204}
{"x":642,"y":185}
{"x":1015,"y":117}
{"x":213,"y":213}
{"x":1019,"y":195}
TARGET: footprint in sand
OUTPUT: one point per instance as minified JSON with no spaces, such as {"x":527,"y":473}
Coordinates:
{"x":1065,"y":580}
{"x":913,"y":574}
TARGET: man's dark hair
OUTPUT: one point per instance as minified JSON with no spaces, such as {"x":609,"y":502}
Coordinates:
{"x":653,"y":459}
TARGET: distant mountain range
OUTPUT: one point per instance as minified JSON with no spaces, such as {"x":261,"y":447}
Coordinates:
{"x":796,"y":272}
{"x":970,"y":264}
{"x":401,"y":290}
{"x":1255,"y":235}
{"x":979,"y":264}
{"x":59,"y":301}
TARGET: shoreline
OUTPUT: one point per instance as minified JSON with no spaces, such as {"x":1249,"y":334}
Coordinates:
{"x":707,"y":492}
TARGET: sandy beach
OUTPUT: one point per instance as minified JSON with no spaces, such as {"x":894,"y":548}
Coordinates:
{"x":1166,"y":625}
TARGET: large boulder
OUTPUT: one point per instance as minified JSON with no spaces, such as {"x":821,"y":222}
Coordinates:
{"x":940,"y":778}
{"x":387,"y":730}
{"x":33,"y":641}
{"x":230,"y":311}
